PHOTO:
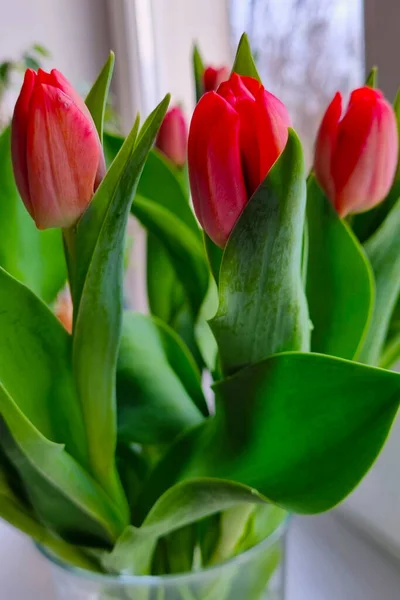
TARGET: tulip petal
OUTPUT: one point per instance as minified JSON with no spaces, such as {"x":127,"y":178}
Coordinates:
{"x":18,"y":138}
{"x":369,"y":142}
{"x":325,"y":144}
{"x":217,"y":184}
{"x":61,"y":82}
{"x":172,"y":136}
{"x":238,"y":91}
{"x":272,"y":123}
{"x":213,"y":78}
{"x":63,"y":158}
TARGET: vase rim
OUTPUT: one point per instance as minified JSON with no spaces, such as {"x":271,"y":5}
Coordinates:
{"x":169,"y":578}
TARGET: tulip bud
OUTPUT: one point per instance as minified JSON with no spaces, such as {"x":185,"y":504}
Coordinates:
{"x":56,"y":152}
{"x":172,"y":136}
{"x":356,"y":157}
{"x":236,"y":135}
{"x":212,"y":78}
{"x":64,"y":309}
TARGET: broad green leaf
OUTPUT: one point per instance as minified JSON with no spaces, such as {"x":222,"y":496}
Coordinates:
{"x":34,"y":257}
{"x":232,"y":530}
{"x":391,"y":351}
{"x":34,"y":347}
{"x":42,"y":50}
{"x":96,"y":100}
{"x":161,"y":183}
{"x":244,"y":62}
{"x":168,"y":297}
{"x":262,"y":305}
{"x":302,"y":429}
{"x":65,"y":498}
{"x":112,"y":144}
{"x":42,"y":428}
{"x":372,"y":79}
{"x":366,"y":224}
{"x":198,"y":72}
{"x":183,"y":504}
{"x":19,"y":515}
{"x":204,"y":336}
{"x":184,"y":247}
{"x":383,"y":250}
{"x":98,"y":240}
{"x":165,"y":293}
{"x":158,"y":384}
{"x":340,"y":285}
{"x":214,"y":255}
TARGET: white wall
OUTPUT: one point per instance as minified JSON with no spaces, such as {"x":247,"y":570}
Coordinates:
{"x":177,"y":24}
{"x":75,"y":31}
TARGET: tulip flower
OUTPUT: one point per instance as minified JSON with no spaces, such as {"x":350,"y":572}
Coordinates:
{"x":236,"y":135}
{"x":356,"y":156}
{"x":212,"y":78}
{"x":56,"y":152}
{"x":172,"y":136}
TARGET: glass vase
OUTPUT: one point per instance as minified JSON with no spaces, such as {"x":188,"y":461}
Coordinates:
{"x":256,"y":574}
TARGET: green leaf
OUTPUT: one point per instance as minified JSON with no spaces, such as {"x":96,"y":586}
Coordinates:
{"x":204,"y":336}
{"x":372,"y":79}
{"x":34,"y":257}
{"x":302,"y":429}
{"x":5,"y":70}
{"x":161,"y":182}
{"x":158,"y":384}
{"x":262,"y":306}
{"x":42,"y":50}
{"x":184,"y":247}
{"x":198,"y":72}
{"x":165,"y":293}
{"x":309,"y":430}
{"x":112,"y":144}
{"x":391,"y":351}
{"x":31,"y":62}
{"x":42,"y":430}
{"x":181,"y":505}
{"x":15,"y":512}
{"x":244,"y":62}
{"x":98,"y":240}
{"x":34,"y":346}
{"x":383,"y":250}
{"x":96,"y":100}
{"x":340,"y":285}
{"x":214,"y":255}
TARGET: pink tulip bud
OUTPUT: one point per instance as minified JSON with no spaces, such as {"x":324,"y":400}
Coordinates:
{"x":172,"y":136}
{"x":236,"y":135}
{"x":63,"y":309}
{"x":212,"y":78}
{"x":56,"y":152}
{"x":356,"y":156}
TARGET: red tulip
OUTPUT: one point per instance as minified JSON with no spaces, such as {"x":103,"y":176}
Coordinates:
{"x":56,"y":152}
{"x":356,"y":157}
{"x":212,"y":78}
{"x":235,"y":137}
{"x":172,"y":136}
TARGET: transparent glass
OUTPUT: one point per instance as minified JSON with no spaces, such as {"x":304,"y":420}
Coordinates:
{"x":257,"y":574}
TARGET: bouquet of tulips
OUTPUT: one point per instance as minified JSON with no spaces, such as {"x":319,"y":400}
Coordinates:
{"x":287,"y":297}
